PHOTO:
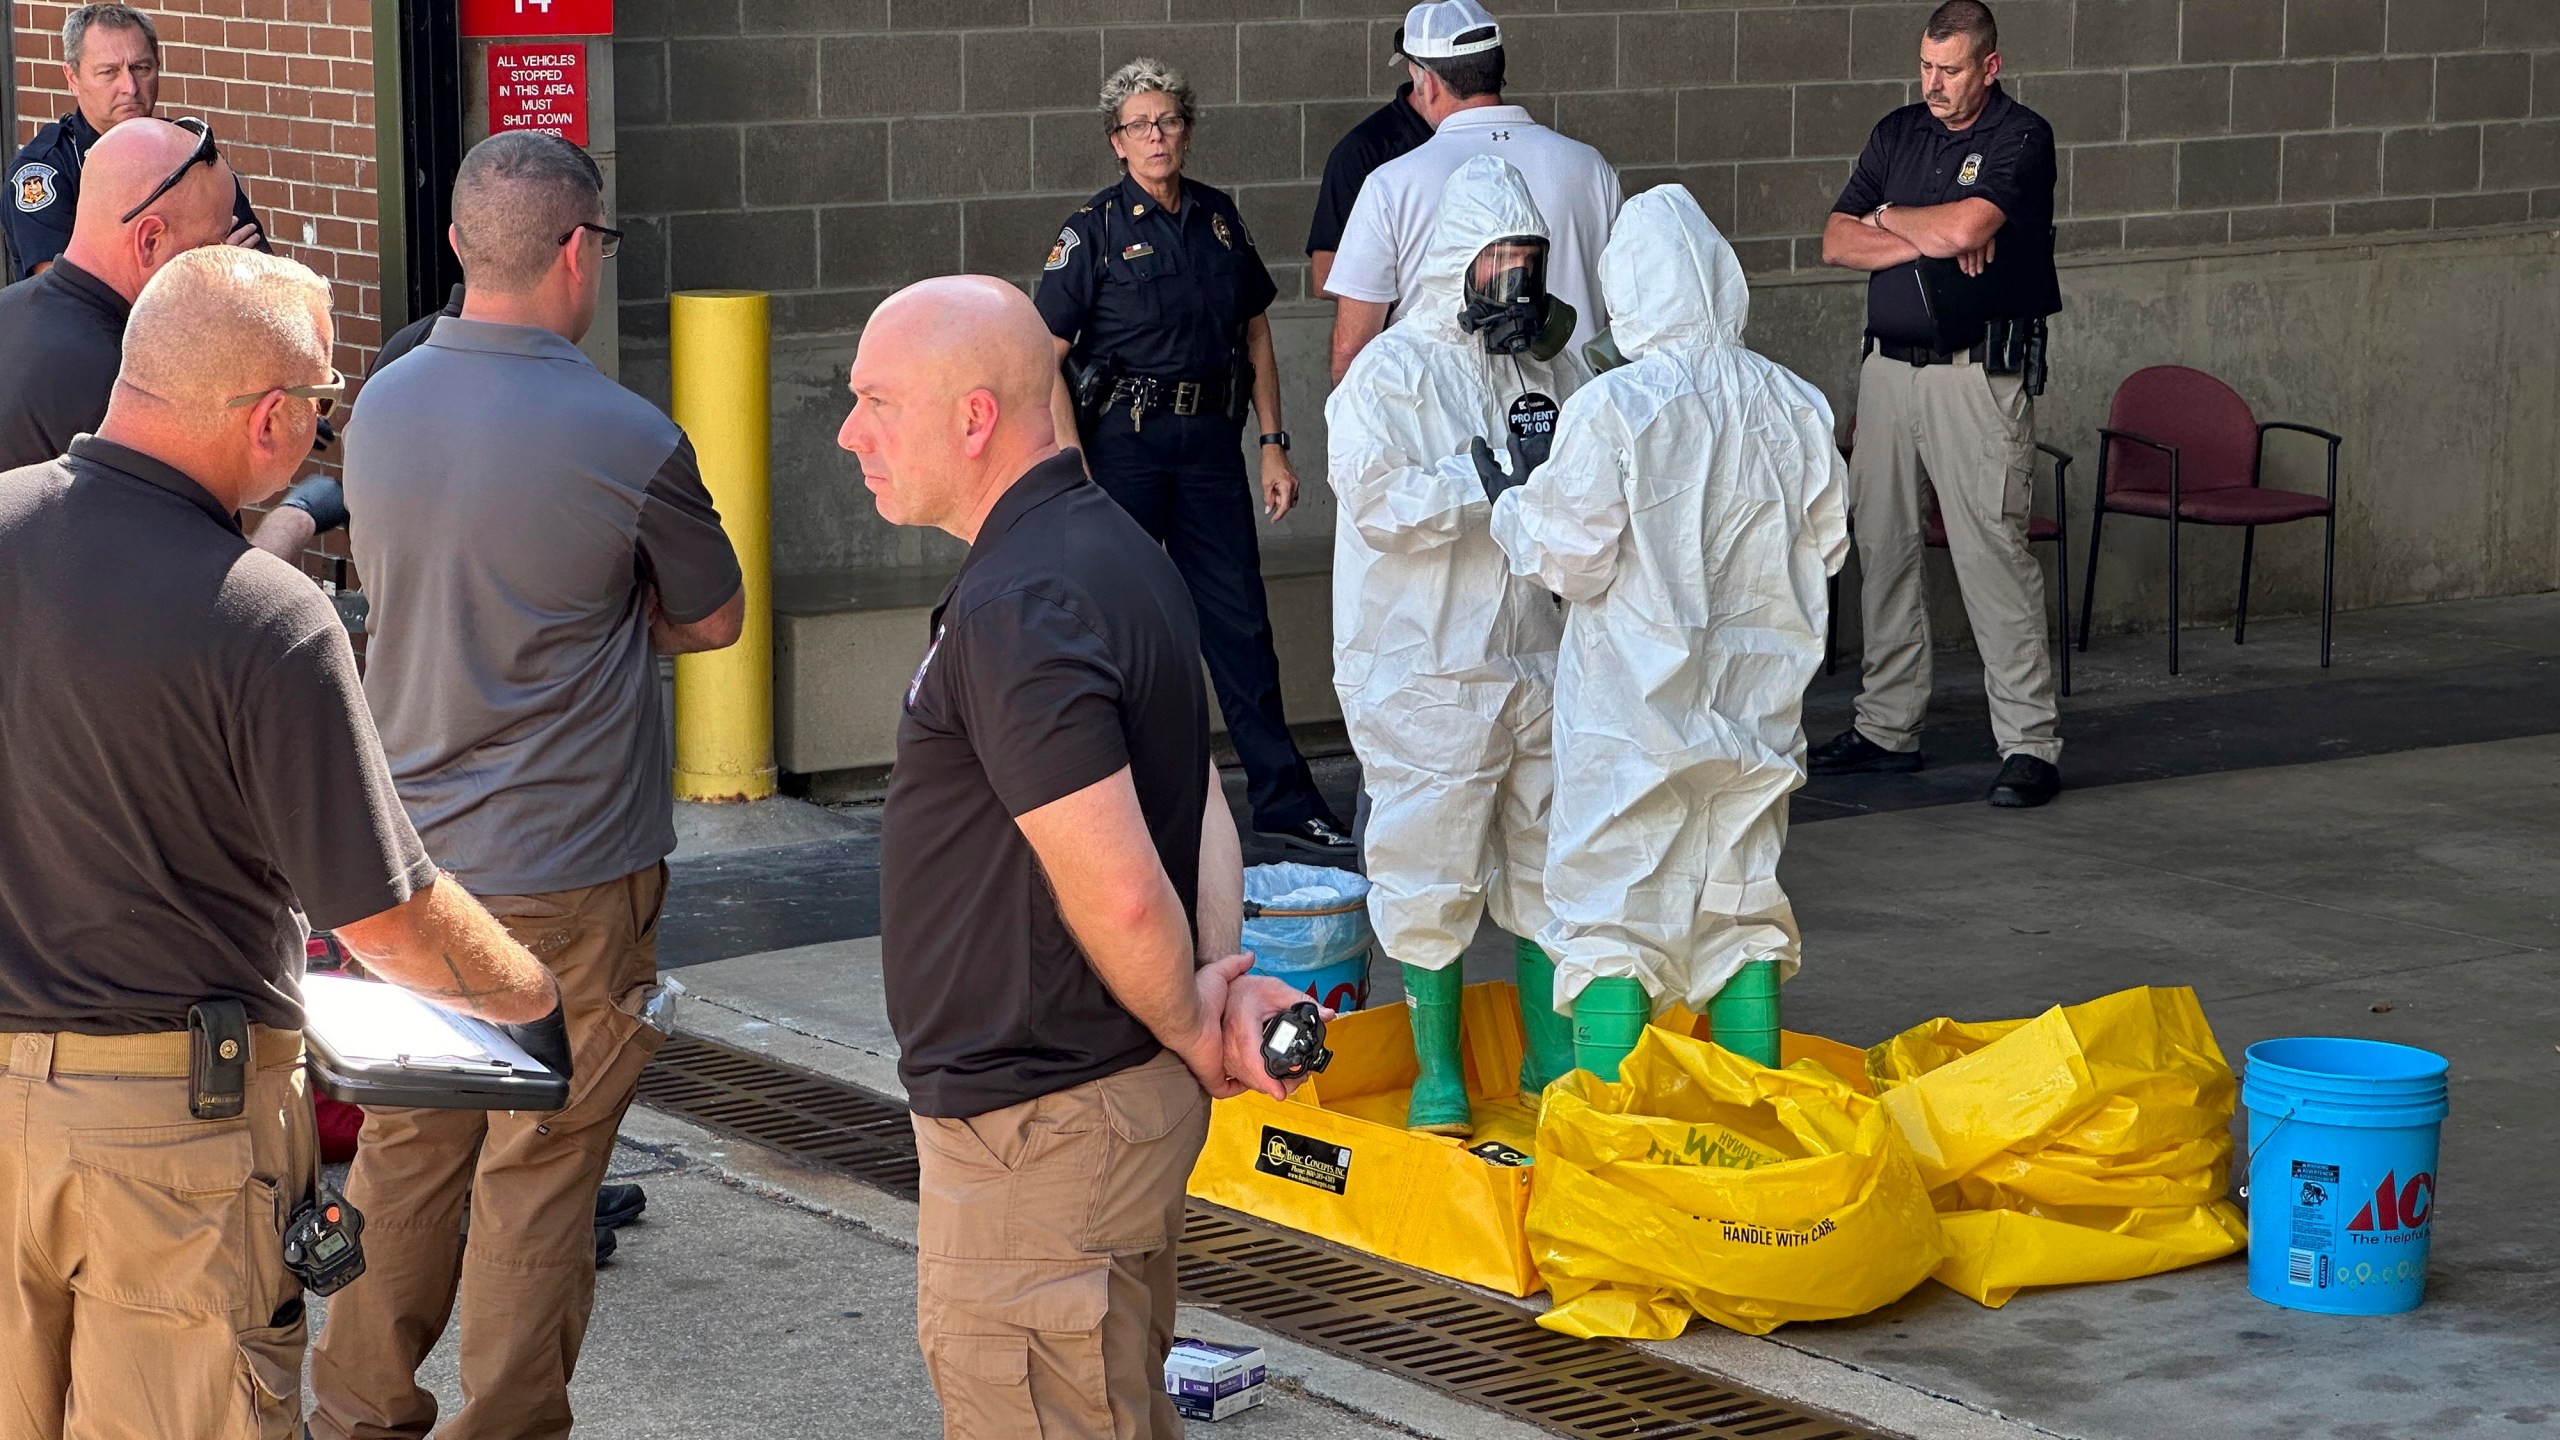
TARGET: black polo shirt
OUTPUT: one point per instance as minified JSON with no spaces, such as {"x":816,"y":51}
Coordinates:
{"x":1387,"y":133}
{"x":1161,"y":293}
{"x":188,"y":757}
{"x":1063,"y":651}
{"x":44,"y":193}
{"x":2006,"y":157}
{"x":61,"y":343}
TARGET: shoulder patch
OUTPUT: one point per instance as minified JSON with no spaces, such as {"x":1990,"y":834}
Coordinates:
{"x":1066,"y":246}
{"x":34,"y":187}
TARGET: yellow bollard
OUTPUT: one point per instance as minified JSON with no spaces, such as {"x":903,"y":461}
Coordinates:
{"x":723,"y":399}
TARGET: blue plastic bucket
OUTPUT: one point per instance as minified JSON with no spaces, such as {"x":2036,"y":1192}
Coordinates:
{"x":1309,"y":925}
{"x":2342,"y":1173}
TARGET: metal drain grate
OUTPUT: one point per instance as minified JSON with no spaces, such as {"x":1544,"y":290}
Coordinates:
{"x":1368,"y":1310}
{"x":803,"y":1114}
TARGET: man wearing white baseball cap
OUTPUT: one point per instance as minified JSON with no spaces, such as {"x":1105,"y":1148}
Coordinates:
{"x":1453,"y":49}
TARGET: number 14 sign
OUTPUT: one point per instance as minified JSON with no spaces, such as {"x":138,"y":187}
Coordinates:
{"x":492,"y":19}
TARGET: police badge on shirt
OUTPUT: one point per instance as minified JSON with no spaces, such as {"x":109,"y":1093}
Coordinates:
{"x":34,"y":188}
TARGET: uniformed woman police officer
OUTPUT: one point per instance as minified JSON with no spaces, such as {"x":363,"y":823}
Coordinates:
{"x":1156,"y":297}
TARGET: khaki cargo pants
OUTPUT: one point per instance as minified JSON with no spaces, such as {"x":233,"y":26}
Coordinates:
{"x":1975,"y":435}
{"x":1045,"y":1246}
{"x":526,"y":1280}
{"x":146,"y":1296}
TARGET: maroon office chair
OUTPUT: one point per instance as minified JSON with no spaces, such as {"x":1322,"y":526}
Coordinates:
{"x":2183,"y":447}
{"x":2041,"y":530}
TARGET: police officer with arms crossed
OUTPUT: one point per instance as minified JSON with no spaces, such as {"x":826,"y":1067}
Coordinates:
{"x":190,"y":760}
{"x":1156,"y":298}
{"x":111,"y":61}
{"x":1954,"y":194}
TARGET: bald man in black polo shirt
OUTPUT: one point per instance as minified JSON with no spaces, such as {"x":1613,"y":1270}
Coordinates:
{"x":1057,"y":858}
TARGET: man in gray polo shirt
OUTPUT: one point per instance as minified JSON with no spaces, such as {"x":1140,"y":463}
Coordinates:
{"x":530,"y":533}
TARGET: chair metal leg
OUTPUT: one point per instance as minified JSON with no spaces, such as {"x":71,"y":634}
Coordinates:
{"x":2240,"y":621}
{"x":2062,"y":595}
{"x":2089,"y":586}
{"x":2174,"y":576}
{"x":2328,"y":583}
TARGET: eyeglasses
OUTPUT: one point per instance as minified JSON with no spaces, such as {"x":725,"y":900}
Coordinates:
{"x":612,"y":237}
{"x":324,"y":396}
{"x":1167,"y":126}
{"x":203,"y":154}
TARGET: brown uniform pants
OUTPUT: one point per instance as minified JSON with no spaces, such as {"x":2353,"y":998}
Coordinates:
{"x":1045,"y":1257}
{"x":146,"y":1295}
{"x":1975,"y":434}
{"x":526,"y":1280}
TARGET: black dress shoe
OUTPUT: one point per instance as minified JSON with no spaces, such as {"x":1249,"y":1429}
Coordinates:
{"x":606,"y":1244}
{"x":2025,"y":782}
{"x":1319,"y":836}
{"x":1850,"y":753}
{"x":619,"y":1205}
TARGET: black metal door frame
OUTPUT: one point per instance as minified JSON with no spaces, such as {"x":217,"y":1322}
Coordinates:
{"x":419,"y":145}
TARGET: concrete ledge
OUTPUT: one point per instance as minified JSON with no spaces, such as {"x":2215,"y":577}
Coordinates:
{"x":846,"y":644}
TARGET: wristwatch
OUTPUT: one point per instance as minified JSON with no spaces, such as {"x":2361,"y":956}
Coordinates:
{"x":1279,"y":438}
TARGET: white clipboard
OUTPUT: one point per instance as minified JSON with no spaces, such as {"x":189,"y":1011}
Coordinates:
{"x":377,"y":1044}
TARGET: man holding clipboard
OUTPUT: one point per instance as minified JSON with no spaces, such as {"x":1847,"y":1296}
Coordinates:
{"x":190,"y":762}
{"x":1950,"y":211}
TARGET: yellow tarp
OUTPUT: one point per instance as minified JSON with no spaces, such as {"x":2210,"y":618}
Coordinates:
{"x":1335,"y":1160}
{"x":2092,"y":1142}
{"x":1704,"y":1183}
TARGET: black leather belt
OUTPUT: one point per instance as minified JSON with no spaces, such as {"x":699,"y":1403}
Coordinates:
{"x":1915,"y":355}
{"x":1142,"y":393}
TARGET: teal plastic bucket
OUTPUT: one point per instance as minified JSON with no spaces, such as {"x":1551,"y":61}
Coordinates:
{"x":1309,"y":925}
{"x":2342,"y":1172}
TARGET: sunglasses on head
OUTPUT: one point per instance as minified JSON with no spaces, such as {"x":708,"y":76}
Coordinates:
{"x":205,"y":153}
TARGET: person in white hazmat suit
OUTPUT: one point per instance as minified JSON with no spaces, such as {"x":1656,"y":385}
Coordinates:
{"x":1690,"y":515}
{"x":1444,"y":661}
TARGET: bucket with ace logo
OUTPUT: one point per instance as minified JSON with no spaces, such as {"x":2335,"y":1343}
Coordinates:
{"x":2342,"y":1172}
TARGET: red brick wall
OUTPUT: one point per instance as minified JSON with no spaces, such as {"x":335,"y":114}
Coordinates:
{"x":288,"y":86}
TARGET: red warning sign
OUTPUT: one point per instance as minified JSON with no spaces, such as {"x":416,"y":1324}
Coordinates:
{"x":491,"y":19}
{"x":540,"y":87}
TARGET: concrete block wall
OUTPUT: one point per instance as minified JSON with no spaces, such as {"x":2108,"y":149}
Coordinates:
{"x":832,"y":150}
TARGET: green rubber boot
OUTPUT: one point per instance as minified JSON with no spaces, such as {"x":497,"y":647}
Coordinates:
{"x":1743,"y":1017}
{"x":1549,"y":1052}
{"x":1608,"y":1017}
{"x":1439,"y":1103}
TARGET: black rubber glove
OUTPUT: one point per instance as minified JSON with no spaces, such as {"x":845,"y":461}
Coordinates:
{"x":321,"y":498}
{"x":1489,"y":470}
{"x":323,"y":435}
{"x":546,"y":1040}
{"x":1528,"y":452}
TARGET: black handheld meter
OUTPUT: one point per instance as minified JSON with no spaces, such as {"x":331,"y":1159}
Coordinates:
{"x":324,"y":1243}
{"x":1293,"y":1042}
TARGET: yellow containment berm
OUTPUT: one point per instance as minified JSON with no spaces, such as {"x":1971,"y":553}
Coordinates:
{"x":2089,"y":1143}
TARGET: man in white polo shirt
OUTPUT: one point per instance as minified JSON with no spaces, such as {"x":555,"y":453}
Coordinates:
{"x":1453,"y":49}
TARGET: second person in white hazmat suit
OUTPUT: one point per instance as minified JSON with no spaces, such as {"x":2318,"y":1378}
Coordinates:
{"x":1445,"y":661}
{"x":1691,"y":513}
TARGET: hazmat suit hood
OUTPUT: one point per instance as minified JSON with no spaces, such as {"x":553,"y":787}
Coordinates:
{"x":1485,"y":200}
{"x":1672,"y":280}
{"x":1691,"y":513}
